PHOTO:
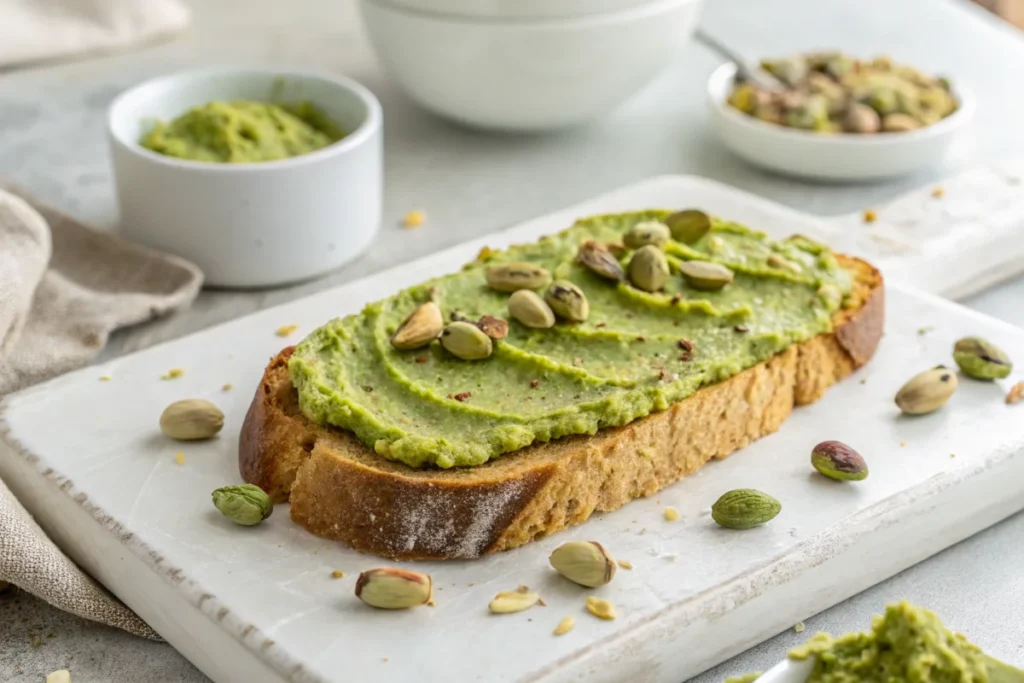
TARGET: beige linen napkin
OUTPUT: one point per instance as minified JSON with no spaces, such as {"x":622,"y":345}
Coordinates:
{"x":37,"y":30}
{"x":63,"y":289}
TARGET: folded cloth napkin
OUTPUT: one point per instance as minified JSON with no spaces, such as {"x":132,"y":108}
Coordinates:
{"x":37,"y":30}
{"x":63,"y":289}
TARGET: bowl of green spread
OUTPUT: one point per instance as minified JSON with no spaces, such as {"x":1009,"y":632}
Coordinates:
{"x":260,"y":177}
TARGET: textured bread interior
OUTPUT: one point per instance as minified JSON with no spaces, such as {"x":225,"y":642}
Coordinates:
{"x":340,"y":489}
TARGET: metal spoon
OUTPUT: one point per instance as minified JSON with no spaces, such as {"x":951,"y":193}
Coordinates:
{"x":744,"y":69}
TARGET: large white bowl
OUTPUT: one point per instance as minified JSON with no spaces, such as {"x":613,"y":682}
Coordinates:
{"x":252,"y":224}
{"x":831,"y":157}
{"x":533,"y":9}
{"x":527,"y":74}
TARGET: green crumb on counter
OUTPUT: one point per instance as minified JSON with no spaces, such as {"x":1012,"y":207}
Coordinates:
{"x":748,"y":678}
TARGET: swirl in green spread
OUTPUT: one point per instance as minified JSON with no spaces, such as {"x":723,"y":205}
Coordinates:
{"x":425,"y":407}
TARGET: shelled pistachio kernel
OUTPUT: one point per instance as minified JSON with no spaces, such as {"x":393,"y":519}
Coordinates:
{"x":981,"y":359}
{"x":527,"y":307}
{"x":838,"y":461}
{"x":689,"y":225}
{"x":705,"y":275}
{"x":648,"y":269}
{"x":745,"y":509}
{"x":927,"y":391}
{"x":245,"y":504}
{"x":466,"y":341}
{"x":516,"y":275}
{"x":648,"y":232}
{"x":390,"y":588}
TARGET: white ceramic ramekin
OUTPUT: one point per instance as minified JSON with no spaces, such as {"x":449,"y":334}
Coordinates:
{"x":253,"y":224}
{"x":839,"y":157}
{"x":525,"y":74}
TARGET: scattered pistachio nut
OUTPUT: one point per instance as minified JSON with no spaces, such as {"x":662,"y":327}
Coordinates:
{"x":745,"y":509}
{"x":509,"y":602}
{"x":705,"y":275}
{"x":567,"y":301}
{"x":584,"y":562}
{"x":596,"y":258}
{"x":602,"y":609}
{"x":192,"y":419}
{"x":836,"y":460}
{"x":495,"y":328}
{"x":981,"y":359}
{"x":466,"y":341}
{"x":648,"y":269}
{"x":689,"y":225}
{"x":59,"y":676}
{"x":246,"y":504}
{"x":516,"y":275}
{"x":527,"y":307}
{"x":419,"y":328}
{"x":899,"y":123}
{"x":564,"y":626}
{"x":861,"y":118}
{"x":390,"y":588}
{"x":927,"y":391}
{"x":647,"y":233}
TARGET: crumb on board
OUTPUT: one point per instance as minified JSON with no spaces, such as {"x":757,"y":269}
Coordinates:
{"x":337,"y":574}
{"x":59,"y":676}
{"x":799,"y":628}
{"x":286,"y":330}
{"x":870,"y":216}
{"x":864,"y":380}
{"x":173,"y":373}
{"x":671,"y":514}
{"x":903,"y":444}
{"x":952,"y":455}
{"x":1016,"y":394}
{"x":384,"y":659}
{"x":938,"y":193}
{"x":105,"y":378}
{"x":564,"y":626}
{"x":921,"y":331}
{"x":179,"y":458}
{"x":414,"y":219}
{"x":625,"y":564}
{"x":228,"y":386}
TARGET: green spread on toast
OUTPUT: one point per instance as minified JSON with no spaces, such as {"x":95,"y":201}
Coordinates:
{"x":425,"y":407}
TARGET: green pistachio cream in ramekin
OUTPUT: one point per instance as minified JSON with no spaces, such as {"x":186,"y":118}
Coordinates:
{"x":634,"y":353}
{"x":240,"y":131}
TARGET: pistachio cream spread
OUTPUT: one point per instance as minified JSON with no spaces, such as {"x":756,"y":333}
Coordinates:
{"x":634,"y":334}
{"x":240,"y":131}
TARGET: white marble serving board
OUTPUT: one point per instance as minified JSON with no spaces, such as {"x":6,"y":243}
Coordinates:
{"x":249,"y":605}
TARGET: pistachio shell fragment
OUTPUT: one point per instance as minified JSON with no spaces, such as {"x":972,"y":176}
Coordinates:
{"x":705,"y":275}
{"x":648,"y":269}
{"x":419,"y":328}
{"x":596,"y":258}
{"x":584,"y":562}
{"x":509,"y":602}
{"x":516,"y":275}
{"x":981,"y":359}
{"x":648,"y":232}
{"x":466,"y":341}
{"x":927,"y":391}
{"x":495,"y":328}
{"x":564,"y":626}
{"x":527,"y":307}
{"x":745,"y":509}
{"x":689,"y":225}
{"x":390,"y":588}
{"x":192,"y":419}
{"x":567,"y":301}
{"x":836,"y":460}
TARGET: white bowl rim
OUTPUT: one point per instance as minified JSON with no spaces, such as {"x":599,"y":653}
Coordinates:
{"x":578,"y":21}
{"x":356,"y":138}
{"x":717,"y":89}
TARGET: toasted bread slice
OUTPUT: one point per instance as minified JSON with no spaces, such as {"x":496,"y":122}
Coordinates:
{"x":342,"y":490}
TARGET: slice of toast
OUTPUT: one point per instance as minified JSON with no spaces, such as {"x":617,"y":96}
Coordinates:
{"x":340,"y":489}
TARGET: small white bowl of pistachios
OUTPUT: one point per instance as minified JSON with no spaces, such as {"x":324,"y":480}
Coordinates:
{"x":836,"y":118}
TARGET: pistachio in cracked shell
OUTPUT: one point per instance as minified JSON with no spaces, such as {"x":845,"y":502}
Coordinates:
{"x":596,"y":258}
{"x":705,"y":275}
{"x":192,"y":419}
{"x":528,"y":308}
{"x":246,"y":504}
{"x":927,"y":391}
{"x":689,"y":225}
{"x":419,"y":328}
{"x":647,"y":233}
{"x":390,"y":588}
{"x":981,"y":359}
{"x":567,"y":301}
{"x":586,"y":563}
{"x":648,"y":269}
{"x":466,"y":341}
{"x":836,"y":460}
{"x":516,"y":275}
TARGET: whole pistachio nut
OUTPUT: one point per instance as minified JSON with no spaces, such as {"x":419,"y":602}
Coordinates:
{"x":745,"y":509}
{"x":527,"y":307}
{"x":495,"y":328}
{"x":648,"y":269}
{"x":860,"y":118}
{"x":836,"y":460}
{"x":567,"y":301}
{"x":390,"y":588}
{"x":705,"y":275}
{"x":981,"y":359}
{"x":584,"y":562}
{"x":191,"y":420}
{"x":689,"y":225}
{"x":648,"y":232}
{"x":927,"y":391}
{"x":513,"y":276}
{"x":596,"y":258}
{"x":899,"y":123}
{"x":246,"y":504}
{"x":466,"y":341}
{"x":509,"y":602}
{"x":419,"y":328}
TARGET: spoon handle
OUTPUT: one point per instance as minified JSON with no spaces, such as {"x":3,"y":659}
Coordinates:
{"x":746,"y":71}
